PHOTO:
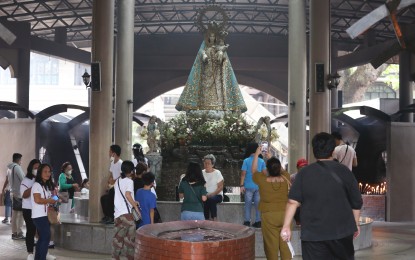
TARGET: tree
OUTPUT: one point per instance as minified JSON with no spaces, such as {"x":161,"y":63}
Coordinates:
{"x":357,"y":80}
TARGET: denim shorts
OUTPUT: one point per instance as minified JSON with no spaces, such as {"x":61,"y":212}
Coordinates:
{"x":192,"y":215}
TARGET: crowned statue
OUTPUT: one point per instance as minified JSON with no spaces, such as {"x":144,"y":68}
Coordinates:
{"x":212,"y":86}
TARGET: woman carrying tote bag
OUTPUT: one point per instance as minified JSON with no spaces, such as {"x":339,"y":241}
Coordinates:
{"x":124,"y":237}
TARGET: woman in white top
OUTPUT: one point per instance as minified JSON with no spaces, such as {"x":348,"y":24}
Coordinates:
{"x":25,"y":190}
{"x":124,"y":237}
{"x":41,"y":199}
{"x":214,"y":187}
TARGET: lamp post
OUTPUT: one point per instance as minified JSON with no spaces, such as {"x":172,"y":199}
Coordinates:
{"x":333,"y":80}
{"x":86,"y":78}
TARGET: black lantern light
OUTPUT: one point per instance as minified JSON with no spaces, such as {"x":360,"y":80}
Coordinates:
{"x":333,"y":80}
{"x":86,"y":78}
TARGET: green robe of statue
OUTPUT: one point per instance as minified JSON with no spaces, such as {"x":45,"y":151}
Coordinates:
{"x":212,"y":84}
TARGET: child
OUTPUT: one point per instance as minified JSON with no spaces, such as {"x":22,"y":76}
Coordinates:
{"x":85,"y":187}
{"x":146,"y":200}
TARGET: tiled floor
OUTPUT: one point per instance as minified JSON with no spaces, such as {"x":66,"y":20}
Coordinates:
{"x":391,"y":241}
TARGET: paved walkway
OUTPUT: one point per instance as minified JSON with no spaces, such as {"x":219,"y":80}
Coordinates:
{"x":390,"y":241}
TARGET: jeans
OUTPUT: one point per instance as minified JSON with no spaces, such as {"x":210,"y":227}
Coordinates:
{"x":210,"y":209}
{"x":30,"y":230}
{"x":7,"y":204}
{"x":192,"y":215}
{"x":43,"y":230}
{"x":7,"y":211}
{"x":252,"y":195}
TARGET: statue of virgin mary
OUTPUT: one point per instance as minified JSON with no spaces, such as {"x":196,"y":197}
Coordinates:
{"x":212,"y":86}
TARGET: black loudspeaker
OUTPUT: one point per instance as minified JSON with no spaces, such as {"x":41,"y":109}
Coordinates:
{"x":96,"y":76}
{"x":320,"y":86}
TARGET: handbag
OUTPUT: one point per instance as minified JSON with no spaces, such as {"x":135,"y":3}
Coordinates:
{"x":63,"y":196}
{"x":17,"y":204}
{"x":53,"y":215}
{"x":136,"y":215}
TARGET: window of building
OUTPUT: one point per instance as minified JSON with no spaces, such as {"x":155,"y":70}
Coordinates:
{"x":44,"y":70}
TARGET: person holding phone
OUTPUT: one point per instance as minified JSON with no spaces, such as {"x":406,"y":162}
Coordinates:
{"x":248,"y":187}
{"x":40,"y":200}
{"x":273,"y":189}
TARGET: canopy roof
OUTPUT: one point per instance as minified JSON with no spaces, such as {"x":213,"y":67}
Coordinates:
{"x":178,"y":16}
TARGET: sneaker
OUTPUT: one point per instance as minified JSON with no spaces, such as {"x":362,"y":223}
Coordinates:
{"x":51,"y":245}
{"x":50,"y":257}
{"x":14,"y":236}
{"x":104,"y":220}
{"x":19,"y":237}
{"x":257,"y":224}
{"x":110,"y":221}
{"x":5,"y":221}
{"x":30,"y":257}
{"x":247,"y":223}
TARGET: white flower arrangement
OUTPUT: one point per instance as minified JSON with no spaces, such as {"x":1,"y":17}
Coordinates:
{"x":157,"y":134}
{"x":144,"y":133}
{"x":263,"y":131}
{"x":274,"y":134}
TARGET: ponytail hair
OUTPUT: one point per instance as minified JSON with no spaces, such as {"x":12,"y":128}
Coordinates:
{"x":127,"y":167}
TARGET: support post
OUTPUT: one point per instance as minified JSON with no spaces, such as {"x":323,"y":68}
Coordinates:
{"x":319,"y":54}
{"x":101,"y":104}
{"x":405,"y":85}
{"x":297,"y":81}
{"x":124,"y":77}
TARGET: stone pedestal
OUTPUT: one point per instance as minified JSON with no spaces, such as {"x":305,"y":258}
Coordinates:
{"x":155,"y":160}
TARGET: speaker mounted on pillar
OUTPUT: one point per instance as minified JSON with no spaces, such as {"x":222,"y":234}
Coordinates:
{"x":95,"y":76}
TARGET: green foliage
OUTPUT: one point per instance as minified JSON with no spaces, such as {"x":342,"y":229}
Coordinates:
{"x":202,"y":130}
{"x":391,"y":76}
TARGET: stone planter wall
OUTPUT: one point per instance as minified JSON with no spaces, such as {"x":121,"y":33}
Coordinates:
{"x":228,"y":161}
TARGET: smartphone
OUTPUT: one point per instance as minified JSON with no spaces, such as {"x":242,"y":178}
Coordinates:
{"x":264,"y":147}
{"x":55,"y":197}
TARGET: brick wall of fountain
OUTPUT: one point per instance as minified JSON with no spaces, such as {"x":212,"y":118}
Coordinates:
{"x":150,"y":246}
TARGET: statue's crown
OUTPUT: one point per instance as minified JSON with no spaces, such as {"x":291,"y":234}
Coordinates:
{"x":205,"y":24}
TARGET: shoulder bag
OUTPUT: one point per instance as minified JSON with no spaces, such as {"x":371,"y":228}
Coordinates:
{"x":336,"y":178}
{"x":345,"y":153}
{"x":136,"y":215}
{"x":52,"y":212}
{"x":16,"y":202}
{"x":288,"y":182}
{"x":195,"y":194}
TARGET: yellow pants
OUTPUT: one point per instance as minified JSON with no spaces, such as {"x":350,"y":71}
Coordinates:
{"x":271,"y":224}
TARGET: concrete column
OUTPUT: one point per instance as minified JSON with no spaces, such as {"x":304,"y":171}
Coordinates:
{"x":319,"y":53}
{"x":405,"y":85}
{"x":22,"y":81}
{"x":124,"y":77}
{"x":101,"y":104}
{"x":297,"y":81}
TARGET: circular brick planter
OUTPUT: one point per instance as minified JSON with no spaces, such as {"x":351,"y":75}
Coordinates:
{"x":149,"y":245}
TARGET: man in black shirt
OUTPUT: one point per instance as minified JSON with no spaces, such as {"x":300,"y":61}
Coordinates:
{"x":330,"y":205}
